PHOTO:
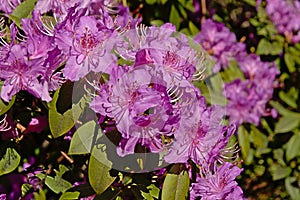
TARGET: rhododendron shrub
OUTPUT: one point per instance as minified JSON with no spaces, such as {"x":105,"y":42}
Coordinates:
{"x":102,"y":100}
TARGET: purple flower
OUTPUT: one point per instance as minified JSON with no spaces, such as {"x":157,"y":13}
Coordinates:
{"x":201,"y":137}
{"x":285,"y":15}
{"x":21,"y":73}
{"x":139,"y":103}
{"x":248,"y":98}
{"x":220,"y":43}
{"x":217,"y":183}
{"x":242,"y":100}
{"x":7,"y":6}
{"x":153,"y":45}
{"x":87,"y":43}
{"x":3,"y":197}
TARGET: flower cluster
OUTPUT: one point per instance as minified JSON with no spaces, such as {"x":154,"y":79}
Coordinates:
{"x":219,"y":42}
{"x":285,"y":14}
{"x":151,"y":101}
{"x":247,"y":97}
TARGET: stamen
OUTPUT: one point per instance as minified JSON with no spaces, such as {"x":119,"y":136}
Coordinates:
{"x":4,"y":125}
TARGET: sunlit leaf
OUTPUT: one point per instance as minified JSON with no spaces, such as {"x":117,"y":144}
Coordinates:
{"x":62,"y":123}
{"x":10,"y":161}
{"x":293,"y":147}
{"x":287,"y":123}
{"x":258,"y":138}
{"x":69,"y":195}
{"x":278,"y":172}
{"x":193,"y":29}
{"x":81,"y":142}
{"x":244,"y":141}
{"x":282,"y":110}
{"x":23,"y":10}
{"x":293,"y":191}
{"x":151,"y":2}
{"x":99,"y":167}
{"x":267,"y":48}
{"x":175,"y":186}
{"x":56,"y":184}
{"x":288,"y":99}
{"x":175,"y":17}
{"x":289,"y":61}
{"x":40,"y":195}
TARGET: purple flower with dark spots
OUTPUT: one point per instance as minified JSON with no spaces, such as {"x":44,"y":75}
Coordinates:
{"x":87,"y":45}
{"x":218,"y":183}
{"x":139,"y":103}
{"x":201,"y":137}
{"x":21,"y":73}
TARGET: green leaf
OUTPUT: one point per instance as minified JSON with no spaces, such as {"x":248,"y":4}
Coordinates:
{"x":69,"y":195}
{"x":250,"y":2}
{"x":151,"y":2}
{"x":267,"y":48}
{"x":193,"y":29}
{"x":56,"y":184}
{"x":293,"y":147}
{"x":10,"y":161}
{"x":294,"y":192}
{"x":288,"y":99}
{"x":157,"y":22}
{"x":82,"y":140}
{"x":175,"y":186}
{"x":25,"y":188}
{"x":62,"y":123}
{"x":4,"y":107}
{"x":23,"y":10}
{"x":99,"y":167}
{"x":164,"y":2}
{"x":244,"y":142}
{"x":232,"y":72}
{"x":153,"y":190}
{"x":278,"y":155}
{"x":182,"y":11}
{"x":187,"y":4}
{"x":147,"y":195}
{"x":40,"y":195}
{"x":174,"y":17}
{"x":290,"y":62}
{"x":258,"y":138}
{"x":282,"y":110}
{"x":278,"y":172}
{"x":287,"y":123}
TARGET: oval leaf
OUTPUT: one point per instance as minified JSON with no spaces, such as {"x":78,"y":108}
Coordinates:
{"x":99,"y":167}
{"x":176,"y":187}
{"x":244,"y":142}
{"x":9,"y":161}
{"x":62,"y":123}
{"x":69,"y":195}
{"x":23,"y":10}
{"x":174,"y":17}
{"x":293,"y":147}
{"x":287,"y":123}
{"x":82,"y":139}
